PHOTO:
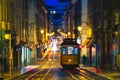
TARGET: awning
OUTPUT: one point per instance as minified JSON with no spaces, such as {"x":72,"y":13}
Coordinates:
{"x":88,"y":42}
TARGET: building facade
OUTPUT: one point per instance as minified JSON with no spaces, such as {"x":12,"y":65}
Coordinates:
{"x":6,"y":24}
{"x":103,"y":18}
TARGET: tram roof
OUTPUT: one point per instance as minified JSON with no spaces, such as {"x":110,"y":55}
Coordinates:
{"x":69,"y":41}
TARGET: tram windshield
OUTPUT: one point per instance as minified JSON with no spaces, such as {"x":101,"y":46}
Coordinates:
{"x":76,"y":51}
{"x":70,"y":50}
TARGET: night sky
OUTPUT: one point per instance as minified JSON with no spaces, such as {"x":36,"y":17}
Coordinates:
{"x":51,"y":2}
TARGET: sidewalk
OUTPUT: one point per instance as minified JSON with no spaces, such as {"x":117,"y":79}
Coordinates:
{"x":19,"y":71}
{"x":22,"y":70}
{"x":112,"y":75}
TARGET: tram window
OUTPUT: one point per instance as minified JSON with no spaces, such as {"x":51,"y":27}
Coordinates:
{"x":70,"y":50}
{"x":63,"y":50}
{"x":76,"y":50}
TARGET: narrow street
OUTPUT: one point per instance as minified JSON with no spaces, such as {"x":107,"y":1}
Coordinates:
{"x":59,"y":39}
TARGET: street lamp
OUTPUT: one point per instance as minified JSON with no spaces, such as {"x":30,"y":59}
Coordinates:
{"x":79,"y":28}
{"x":66,"y":35}
{"x":69,"y":34}
{"x":42,"y":31}
{"x":8,"y":37}
{"x":79,"y":40}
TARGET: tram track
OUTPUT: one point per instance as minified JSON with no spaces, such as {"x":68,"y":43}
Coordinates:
{"x":44,"y":71}
{"x":29,"y":74}
{"x":90,"y":75}
{"x":72,"y":75}
{"x":78,"y":74}
{"x":75,"y":75}
{"x":26,"y":74}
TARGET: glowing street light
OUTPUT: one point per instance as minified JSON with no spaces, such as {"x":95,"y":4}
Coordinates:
{"x":89,"y":32}
{"x":79,"y":38}
{"x":42,"y":31}
{"x":7,"y":36}
{"x":79,"y":28}
{"x":69,"y":34}
{"x":48,"y":34}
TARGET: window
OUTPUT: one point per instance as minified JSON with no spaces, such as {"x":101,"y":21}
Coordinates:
{"x":76,"y":50}
{"x":70,"y":50}
{"x":63,"y":50}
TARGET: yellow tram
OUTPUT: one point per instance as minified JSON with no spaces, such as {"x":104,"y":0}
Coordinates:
{"x":70,"y":53}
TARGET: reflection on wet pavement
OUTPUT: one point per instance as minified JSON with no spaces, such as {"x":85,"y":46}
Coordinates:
{"x":28,"y":68}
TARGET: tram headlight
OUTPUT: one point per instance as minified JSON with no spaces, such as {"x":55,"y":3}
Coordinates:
{"x":69,"y":60}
